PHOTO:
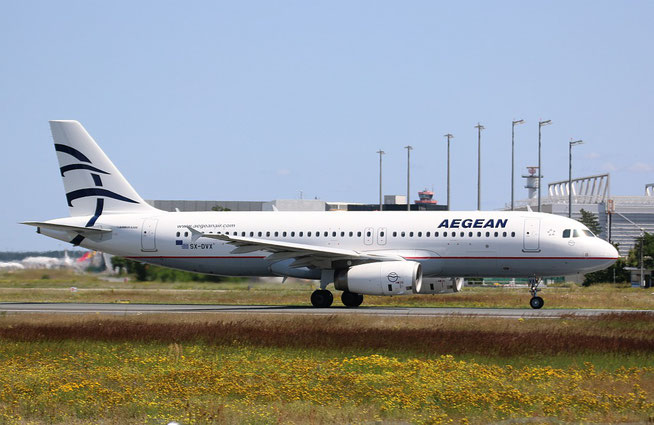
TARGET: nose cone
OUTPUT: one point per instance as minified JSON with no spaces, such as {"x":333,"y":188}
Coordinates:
{"x":609,"y":253}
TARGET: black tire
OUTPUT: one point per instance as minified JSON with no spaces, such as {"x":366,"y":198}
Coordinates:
{"x":350,"y":299}
{"x":536,"y":303}
{"x":322,"y":298}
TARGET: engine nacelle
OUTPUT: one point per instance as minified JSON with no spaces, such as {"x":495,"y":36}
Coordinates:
{"x":382,"y":278}
{"x":438,"y":285}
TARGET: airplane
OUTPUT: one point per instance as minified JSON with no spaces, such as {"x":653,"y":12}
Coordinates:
{"x":361,"y":253}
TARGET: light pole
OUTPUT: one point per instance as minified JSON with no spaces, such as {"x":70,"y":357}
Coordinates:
{"x":380,"y":152}
{"x":408,"y":176}
{"x":576,"y":142}
{"x":540,"y":174}
{"x":513,"y":124}
{"x":479,"y":127}
{"x":448,"y":136}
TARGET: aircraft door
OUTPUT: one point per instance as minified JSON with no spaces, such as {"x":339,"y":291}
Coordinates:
{"x":381,"y":236}
{"x":148,"y":234}
{"x":531,"y":235}
{"x":367,"y":236}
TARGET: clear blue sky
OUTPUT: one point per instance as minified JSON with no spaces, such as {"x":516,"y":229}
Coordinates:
{"x":257,"y":100}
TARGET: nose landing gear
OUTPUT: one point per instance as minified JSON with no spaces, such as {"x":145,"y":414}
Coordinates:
{"x":536,"y":302}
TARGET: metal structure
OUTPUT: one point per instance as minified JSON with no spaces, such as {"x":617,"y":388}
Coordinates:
{"x":582,"y":190}
{"x":380,"y":152}
{"x":448,"y":136}
{"x":540,"y":168}
{"x":479,"y":127}
{"x":513,"y":124}
{"x":408,"y":148}
{"x":578,"y":142}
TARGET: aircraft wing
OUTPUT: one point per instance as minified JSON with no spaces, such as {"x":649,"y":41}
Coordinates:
{"x":305,"y":255}
{"x":84,"y":231}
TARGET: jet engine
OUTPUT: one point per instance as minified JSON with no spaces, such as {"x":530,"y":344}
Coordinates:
{"x":381,"y":278}
{"x":438,"y":285}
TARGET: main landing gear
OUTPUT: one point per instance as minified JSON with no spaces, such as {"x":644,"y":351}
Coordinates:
{"x":536,"y":302}
{"x":350,"y":299}
{"x":322,"y":298}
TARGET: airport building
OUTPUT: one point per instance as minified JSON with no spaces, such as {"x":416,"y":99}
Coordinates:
{"x":622,"y":218}
{"x":391,"y":203}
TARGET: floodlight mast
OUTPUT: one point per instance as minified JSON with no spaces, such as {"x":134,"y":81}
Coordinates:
{"x":448,"y":136}
{"x":408,"y":148}
{"x":513,"y":124}
{"x":540,"y":174}
{"x":479,"y":127}
{"x":576,"y":142}
{"x":380,"y":152}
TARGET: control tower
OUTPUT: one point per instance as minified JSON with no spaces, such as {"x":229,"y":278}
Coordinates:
{"x":426,"y":197}
{"x":532,"y":182}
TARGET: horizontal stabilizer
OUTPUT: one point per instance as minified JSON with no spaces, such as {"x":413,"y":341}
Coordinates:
{"x":84,"y":231}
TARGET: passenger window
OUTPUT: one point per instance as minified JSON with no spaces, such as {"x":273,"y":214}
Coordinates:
{"x":419,"y":234}
{"x":178,"y":234}
{"x":317,"y":234}
{"x":381,"y":234}
{"x":185,"y":234}
{"x":504,"y":234}
{"x":410,"y":234}
{"x":351,"y":234}
{"x":284,"y":234}
{"x":267,"y":234}
{"x":513,"y":234}
{"x":479,"y":234}
{"x":436,"y":234}
{"x":368,"y":234}
{"x":445,"y":234}
{"x":394,"y":234}
{"x":487,"y":234}
{"x":496,"y":234}
{"x":259,"y":234}
{"x":359,"y":234}
{"x":276,"y":234}
{"x":326,"y":234}
{"x":251,"y":234}
{"x":428,"y":234}
{"x":302,"y":234}
{"x":566,"y":233}
{"x":403,"y":234}
{"x":292,"y":234}
{"x":470,"y":234}
{"x":342,"y":234}
{"x":308,"y":234}
{"x":462,"y":234}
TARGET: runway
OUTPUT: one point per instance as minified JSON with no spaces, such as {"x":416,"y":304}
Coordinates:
{"x":125,"y":309}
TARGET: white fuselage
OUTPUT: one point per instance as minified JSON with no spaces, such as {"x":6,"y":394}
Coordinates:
{"x":446,"y":244}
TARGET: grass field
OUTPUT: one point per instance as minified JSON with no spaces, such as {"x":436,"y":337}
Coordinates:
{"x":54,"y":286}
{"x":233,"y":369}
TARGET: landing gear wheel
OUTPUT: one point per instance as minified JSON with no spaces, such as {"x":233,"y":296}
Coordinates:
{"x":536,"y":302}
{"x":321,"y":298}
{"x":350,"y":299}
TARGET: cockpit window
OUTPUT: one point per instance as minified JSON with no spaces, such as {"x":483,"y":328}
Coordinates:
{"x":588,"y":233}
{"x":566,"y":233}
{"x":575,"y":233}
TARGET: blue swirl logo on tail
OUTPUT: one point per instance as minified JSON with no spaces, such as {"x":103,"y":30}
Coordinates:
{"x":93,"y":191}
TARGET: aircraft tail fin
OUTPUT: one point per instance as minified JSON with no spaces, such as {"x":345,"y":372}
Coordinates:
{"x":92,"y":182}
